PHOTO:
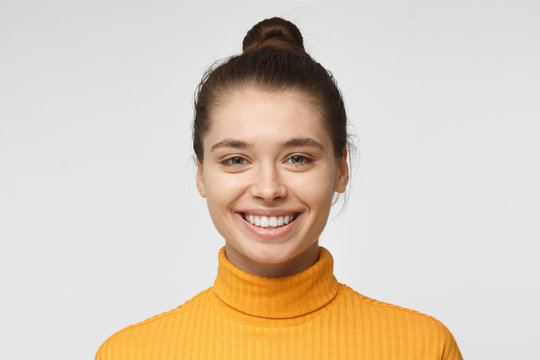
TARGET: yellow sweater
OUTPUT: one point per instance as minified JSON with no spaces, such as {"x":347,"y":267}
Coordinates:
{"x":305,"y":316}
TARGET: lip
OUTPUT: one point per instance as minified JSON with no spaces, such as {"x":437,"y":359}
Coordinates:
{"x":270,"y":212}
{"x":268,"y":233}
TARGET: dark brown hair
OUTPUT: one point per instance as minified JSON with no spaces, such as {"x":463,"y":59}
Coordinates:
{"x":273,"y":58}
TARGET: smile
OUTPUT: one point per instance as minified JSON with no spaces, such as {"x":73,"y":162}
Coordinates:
{"x":269,"y":221}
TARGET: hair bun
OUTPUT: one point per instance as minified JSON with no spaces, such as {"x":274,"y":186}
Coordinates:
{"x":274,"y":32}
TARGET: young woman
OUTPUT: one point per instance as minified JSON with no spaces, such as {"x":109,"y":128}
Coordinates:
{"x":271,"y":145}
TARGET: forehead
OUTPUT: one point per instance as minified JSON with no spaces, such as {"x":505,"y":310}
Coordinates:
{"x":254,"y":114}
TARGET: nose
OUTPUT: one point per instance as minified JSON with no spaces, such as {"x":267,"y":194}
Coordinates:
{"x":267,"y":183}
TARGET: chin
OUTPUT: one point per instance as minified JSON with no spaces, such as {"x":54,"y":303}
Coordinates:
{"x":273,"y":253}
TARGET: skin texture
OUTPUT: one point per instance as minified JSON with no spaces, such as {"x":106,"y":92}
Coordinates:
{"x":268,"y":153}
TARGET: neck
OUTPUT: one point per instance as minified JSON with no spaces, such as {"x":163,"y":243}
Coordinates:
{"x":292,"y":266}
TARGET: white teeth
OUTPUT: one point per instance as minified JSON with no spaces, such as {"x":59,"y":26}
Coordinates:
{"x":272,"y":221}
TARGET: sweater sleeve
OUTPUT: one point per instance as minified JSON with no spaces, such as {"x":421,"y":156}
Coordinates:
{"x":450,"y":350}
{"x":98,"y":355}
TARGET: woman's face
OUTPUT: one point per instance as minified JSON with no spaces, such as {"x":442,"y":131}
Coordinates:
{"x":269,"y":174}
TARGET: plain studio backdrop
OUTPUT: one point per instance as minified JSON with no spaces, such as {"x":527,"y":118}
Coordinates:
{"x":101,"y":225}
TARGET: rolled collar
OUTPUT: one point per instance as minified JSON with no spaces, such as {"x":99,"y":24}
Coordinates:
{"x":277,"y":298}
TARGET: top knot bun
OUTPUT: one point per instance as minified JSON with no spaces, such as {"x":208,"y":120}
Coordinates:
{"x":275,"y":32}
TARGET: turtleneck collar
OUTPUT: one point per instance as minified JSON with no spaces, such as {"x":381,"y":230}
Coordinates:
{"x":277,"y":298}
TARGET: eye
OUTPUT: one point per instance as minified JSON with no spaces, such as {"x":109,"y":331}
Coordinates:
{"x":235,"y":161}
{"x":298,"y":160}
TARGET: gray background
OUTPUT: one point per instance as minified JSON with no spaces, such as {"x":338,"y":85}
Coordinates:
{"x":100,"y":222}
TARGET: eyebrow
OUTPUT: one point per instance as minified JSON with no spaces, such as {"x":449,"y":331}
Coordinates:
{"x":294,"y":142}
{"x":303,"y":142}
{"x":238,"y":144}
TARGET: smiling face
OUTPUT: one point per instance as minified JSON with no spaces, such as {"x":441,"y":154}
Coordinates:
{"x":269,"y":174}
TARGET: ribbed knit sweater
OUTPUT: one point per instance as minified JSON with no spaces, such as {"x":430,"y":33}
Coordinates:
{"x":304,"y":316}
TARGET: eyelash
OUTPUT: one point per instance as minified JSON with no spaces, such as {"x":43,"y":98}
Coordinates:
{"x":305,"y":160}
{"x":228,"y":161}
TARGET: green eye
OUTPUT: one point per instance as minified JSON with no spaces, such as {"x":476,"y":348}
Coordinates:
{"x":235,"y":161}
{"x":298,"y":160}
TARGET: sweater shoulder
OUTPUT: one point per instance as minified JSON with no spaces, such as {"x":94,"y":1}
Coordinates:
{"x":137,"y":335}
{"x":398,"y":319}
{"x":370,"y":304}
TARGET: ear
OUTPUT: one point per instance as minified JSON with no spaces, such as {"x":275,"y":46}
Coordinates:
{"x":200,"y":179}
{"x":342,"y":175}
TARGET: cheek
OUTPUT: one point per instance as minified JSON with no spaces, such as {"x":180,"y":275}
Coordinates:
{"x":222,"y":190}
{"x":315,"y":188}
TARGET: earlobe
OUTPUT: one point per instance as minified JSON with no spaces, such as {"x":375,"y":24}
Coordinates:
{"x":200,"y":180}
{"x":342,"y":173}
